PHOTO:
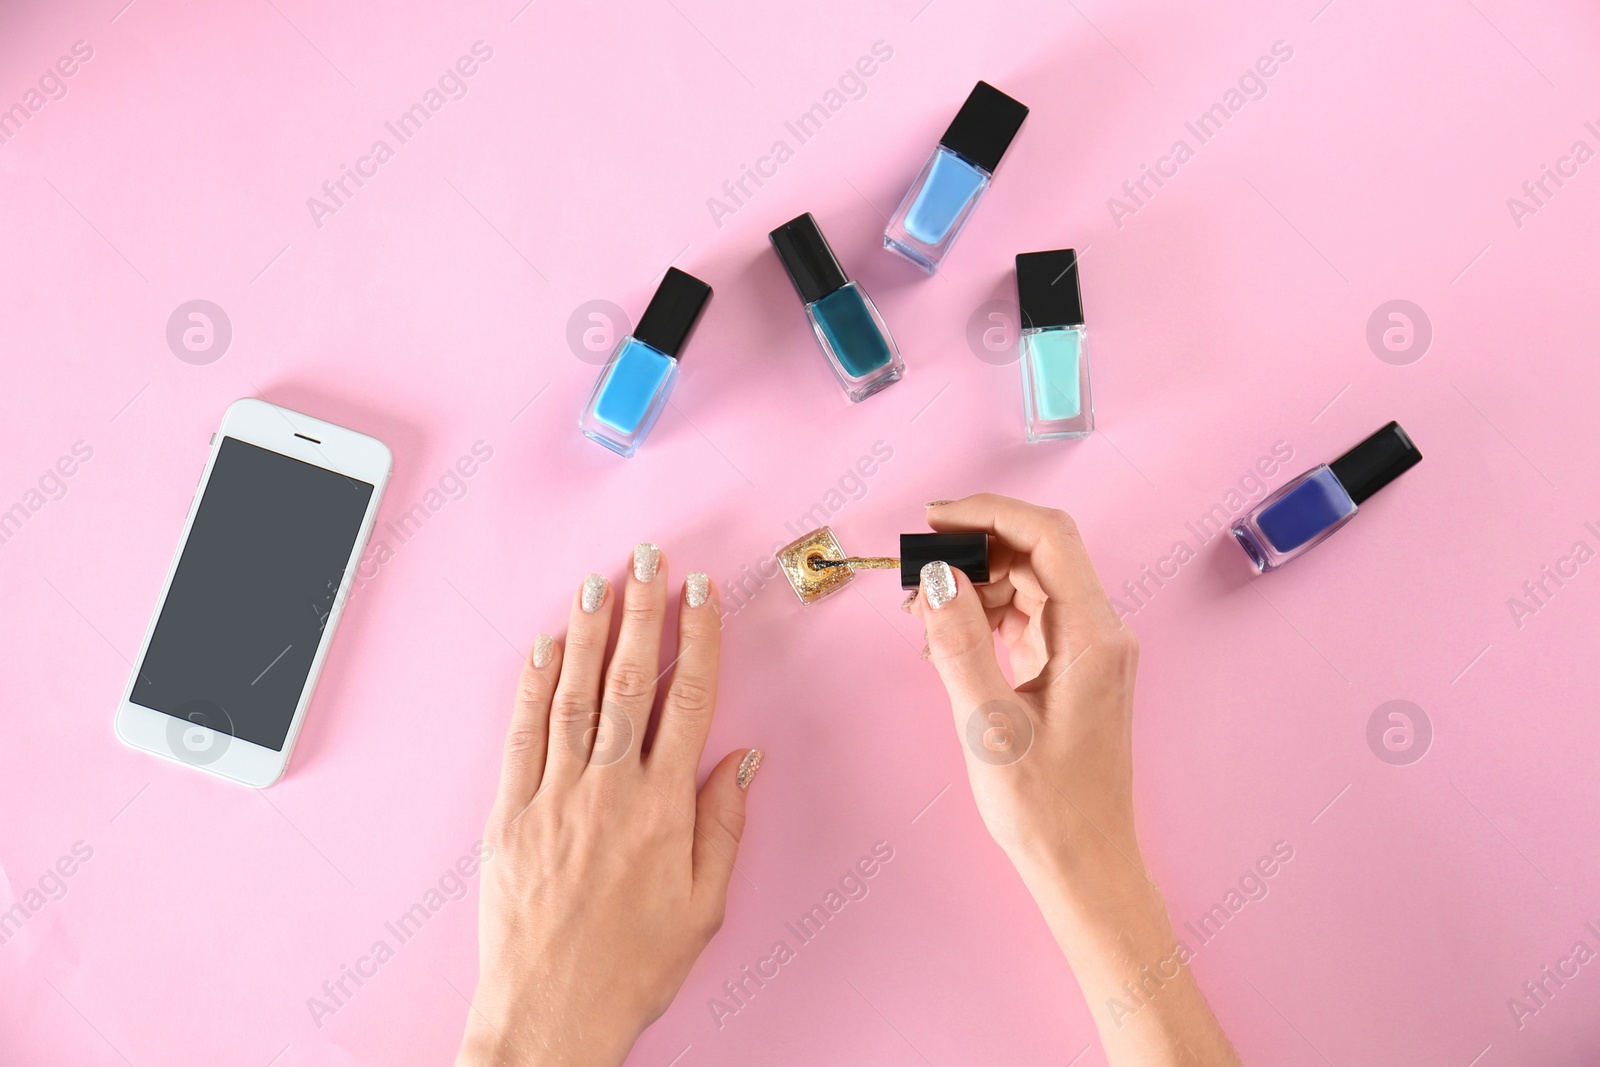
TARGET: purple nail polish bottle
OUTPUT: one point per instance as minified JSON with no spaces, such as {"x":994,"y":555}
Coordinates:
{"x":1305,"y":512}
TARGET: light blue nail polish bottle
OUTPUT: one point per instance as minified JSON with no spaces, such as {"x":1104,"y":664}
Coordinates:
{"x":633,"y":389}
{"x":1056,"y":401}
{"x":940,"y":201}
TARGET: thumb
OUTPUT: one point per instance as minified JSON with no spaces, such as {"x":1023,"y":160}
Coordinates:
{"x":719,"y":824}
{"x":960,"y":642}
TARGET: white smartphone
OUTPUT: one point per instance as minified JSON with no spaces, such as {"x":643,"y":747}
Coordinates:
{"x":274,"y":536}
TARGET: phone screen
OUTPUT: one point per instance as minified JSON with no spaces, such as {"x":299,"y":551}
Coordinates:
{"x":251,"y":595}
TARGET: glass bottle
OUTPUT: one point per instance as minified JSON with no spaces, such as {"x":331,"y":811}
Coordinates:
{"x":848,"y":327}
{"x":940,"y":201}
{"x":1056,"y":399}
{"x":1307,"y":511}
{"x":632,"y":390}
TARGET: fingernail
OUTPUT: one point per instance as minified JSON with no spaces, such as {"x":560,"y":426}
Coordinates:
{"x":939,"y":583}
{"x":748,"y":768}
{"x":594,"y":593}
{"x":927,"y":650}
{"x":544,"y":646}
{"x":646,"y":558}
{"x":696,"y":590}
{"x":937,"y":503}
{"x":911,"y":598}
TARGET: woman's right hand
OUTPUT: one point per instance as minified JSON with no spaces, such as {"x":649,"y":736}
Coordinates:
{"x":1051,"y":759}
{"x":1051,"y":765}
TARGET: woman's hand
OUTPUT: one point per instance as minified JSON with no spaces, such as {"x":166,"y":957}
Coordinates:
{"x":1051,"y":766}
{"x":609,"y":873}
{"x":1051,"y":760}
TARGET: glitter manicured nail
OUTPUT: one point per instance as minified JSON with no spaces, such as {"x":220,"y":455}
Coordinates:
{"x":937,"y":503}
{"x":911,"y":598}
{"x":594,"y":593}
{"x":939,"y":582}
{"x":544,"y":646}
{"x":748,"y":768}
{"x":696,"y":590}
{"x":646,"y":558}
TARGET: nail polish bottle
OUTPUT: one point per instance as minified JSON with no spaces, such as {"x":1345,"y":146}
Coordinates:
{"x":1303,"y":513}
{"x":633,"y":388}
{"x":1056,"y":401}
{"x":849,"y":329}
{"x":941,"y":200}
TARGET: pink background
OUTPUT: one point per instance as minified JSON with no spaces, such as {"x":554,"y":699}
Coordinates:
{"x":1228,"y":313}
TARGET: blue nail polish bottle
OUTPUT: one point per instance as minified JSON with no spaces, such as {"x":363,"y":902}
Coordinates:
{"x":848,"y":327}
{"x":1056,"y":401}
{"x":941,"y":200}
{"x":633,"y":388}
{"x":1302,"y":514}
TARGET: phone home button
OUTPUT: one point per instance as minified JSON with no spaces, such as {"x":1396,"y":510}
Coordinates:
{"x":199,"y":732}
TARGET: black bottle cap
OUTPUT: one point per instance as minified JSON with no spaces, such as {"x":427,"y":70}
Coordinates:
{"x":811,"y":264}
{"x":984,"y":127}
{"x":1047,"y":289}
{"x":1376,"y":462}
{"x":966,"y":552}
{"x":669,"y":320}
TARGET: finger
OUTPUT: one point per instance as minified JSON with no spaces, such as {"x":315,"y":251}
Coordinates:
{"x":1049,"y":557}
{"x":630,"y":688}
{"x":575,"y":712}
{"x":522,"y":765}
{"x":997,"y":592}
{"x":960,"y":641}
{"x":718,"y":827}
{"x":692,"y":694}
{"x":1001,"y":590}
{"x":1012,"y":627}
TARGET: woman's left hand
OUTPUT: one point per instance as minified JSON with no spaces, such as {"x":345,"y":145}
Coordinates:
{"x":608,"y":872}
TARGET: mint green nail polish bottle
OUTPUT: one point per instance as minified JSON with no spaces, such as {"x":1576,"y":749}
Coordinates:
{"x":1056,"y":401}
